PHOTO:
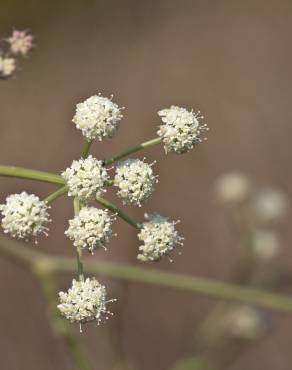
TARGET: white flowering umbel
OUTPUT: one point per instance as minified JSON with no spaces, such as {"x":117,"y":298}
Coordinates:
{"x":25,"y":216}
{"x":181,"y":129}
{"x":97,"y":117}
{"x":91,"y":228}
{"x":85,"y":301}
{"x":135,"y":180}
{"x":159,"y":237}
{"x":85,"y":177}
{"x":21,"y":42}
{"x":7,"y":66}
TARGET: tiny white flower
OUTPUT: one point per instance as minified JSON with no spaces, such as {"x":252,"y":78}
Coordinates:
{"x":85,"y":301}
{"x":269,"y":205}
{"x":97,"y":117}
{"x":135,"y":180}
{"x":21,"y":42}
{"x":91,"y":228}
{"x":181,"y":129}
{"x":233,"y":187}
{"x":85,"y":177}
{"x":266,"y":245}
{"x":7,"y":66}
{"x":159,"y":237}
{"x":24,"y":216}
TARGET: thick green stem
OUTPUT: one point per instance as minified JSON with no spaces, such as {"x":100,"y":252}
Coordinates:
{"x":29,"y":258}
{"x":76,"y":204}
{"x":86,"y":148}
{"x":11,"y":171}
{"x":58,"y":193}
{"x":118,"y":211}
{"x":134,"y":149}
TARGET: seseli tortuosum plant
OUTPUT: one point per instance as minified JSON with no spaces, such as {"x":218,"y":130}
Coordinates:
{"x":26,"y":216}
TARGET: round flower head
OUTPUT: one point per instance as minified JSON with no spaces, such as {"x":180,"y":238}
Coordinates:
{"x":24,"y":216}
{"x":85,"y":301}
{"x":91,"y":228}
{"x":85,"y":177}
{"x":7,"y":66}
{"x":266,"y":245}
{"x":97,"y":117}
{"x":159,"y":237}
{"x":233,"y":187}
{"x":135,"y":180}
{"x":269,"y":205}
{"x":20,"y":42}
{"x":181,"y":129}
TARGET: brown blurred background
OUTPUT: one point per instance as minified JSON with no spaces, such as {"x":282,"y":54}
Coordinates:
{"x":230,"y":59}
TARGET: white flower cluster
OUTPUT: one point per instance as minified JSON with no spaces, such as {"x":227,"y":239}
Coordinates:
{"x":85,"y":301}
{"x":135,"y":180}
{"x":91,"y":228}
{"x":85,"y":177}
{"x":24,"y":216}
{"x":181,"y":129}
{"x":21,"y":42}
{"x":159,"y":237}
{"x":233,"y":187}
{"x":97,"y":117}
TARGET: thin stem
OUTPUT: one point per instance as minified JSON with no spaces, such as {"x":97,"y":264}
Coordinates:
{"x":11,"y":171}
{"x":86,"y":148}
{"x":29,"y":258}
{"x":118,"y":211}
{"x":134,"y":149}
{"x":76,"y":204}
{"x":58,"y":193}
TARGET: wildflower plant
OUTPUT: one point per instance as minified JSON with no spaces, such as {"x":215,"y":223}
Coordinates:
{"x":86,"y":180}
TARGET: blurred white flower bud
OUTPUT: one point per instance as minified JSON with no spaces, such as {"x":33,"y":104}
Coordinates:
{"x":233,"y":187}
{"x":266,"y":245}
{"x":7,"y":66}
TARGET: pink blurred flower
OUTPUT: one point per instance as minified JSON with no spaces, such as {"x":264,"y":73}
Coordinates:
{"x":21,"y":42}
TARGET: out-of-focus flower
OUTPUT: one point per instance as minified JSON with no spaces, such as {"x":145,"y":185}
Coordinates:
{"x":24,"y":216}
{"x":91,"y":228}
{"x":85,"y":177}
{"x":135,"y":180}
{"x":7,"y":66}
{"x":266,"y":245}
{"x":244,"y":322}
{"x":181,"y":129}
{"x":269,"y":205}
{"x":20,"y":42}
{"x":97,"y":117}
{"x":159,"y":237}
{"x":85,"y":301}
{"x":233,"y":187}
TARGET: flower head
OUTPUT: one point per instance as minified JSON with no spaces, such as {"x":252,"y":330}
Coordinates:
{"x":266,"y":244}
{"x":20,"y":42}
{"x":7,"y":66}
{"x":233,"y":187}
{"x":269,"y":205}
{"x":85,"y":301}
{"x":135,"y":180}
{"x":181,"y":129}
{"x":24,"y":216}
{"x":85,"y":177}
{"x":159,"y":237}
{"x":91,"y":228}
{"x":97,"y":117}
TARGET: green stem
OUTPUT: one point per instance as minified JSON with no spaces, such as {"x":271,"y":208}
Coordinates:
{"x":58,"y":193}
{"x":118,"y":211}
{"x":25,"y":173}
{"x":86,"y":148}
{"x":134,"y":149}
{"x":30,"y":258}
{"x":76,"y":204}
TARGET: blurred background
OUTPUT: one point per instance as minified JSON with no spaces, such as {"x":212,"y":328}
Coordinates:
{"x":230,"y":59}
